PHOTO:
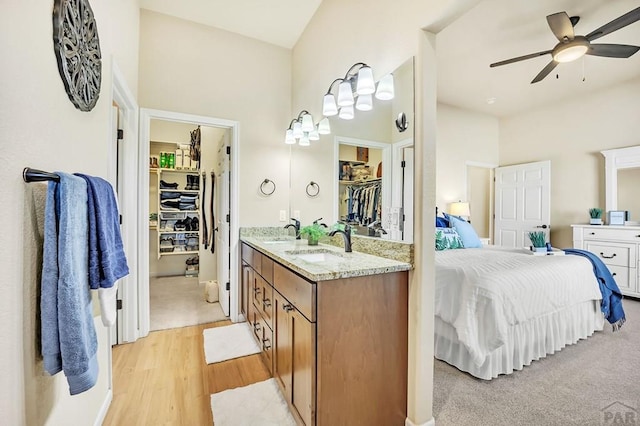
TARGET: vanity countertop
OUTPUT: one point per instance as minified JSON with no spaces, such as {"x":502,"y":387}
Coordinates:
{"x":322,"y":262}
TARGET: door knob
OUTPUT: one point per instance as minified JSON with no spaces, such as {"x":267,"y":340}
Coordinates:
{"x":542,"y":226}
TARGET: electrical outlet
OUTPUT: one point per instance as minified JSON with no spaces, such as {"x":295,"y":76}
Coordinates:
{"x":283,"y":215}
{"x":296,"y":214}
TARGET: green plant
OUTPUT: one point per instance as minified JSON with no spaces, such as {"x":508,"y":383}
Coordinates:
{"x":595,"y":213}
{"x":538,"y":238}
{"x":313,"y":231}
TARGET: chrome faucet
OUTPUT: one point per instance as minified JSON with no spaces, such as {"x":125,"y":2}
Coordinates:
{"x":346,"y":236}
{"x":296,"y":226}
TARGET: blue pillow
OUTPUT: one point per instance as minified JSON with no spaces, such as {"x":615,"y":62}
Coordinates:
{"x":441,"y":222}
{"x":465,"y":230}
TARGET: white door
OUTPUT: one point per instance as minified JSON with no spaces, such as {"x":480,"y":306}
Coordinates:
{"x":522,"y":197}
{"x":222,"y":229}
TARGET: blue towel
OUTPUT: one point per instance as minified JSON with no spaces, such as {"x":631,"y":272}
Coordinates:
{"x":107,"y":261}
{"x":611,"y":305}
{"x":68,"y":334}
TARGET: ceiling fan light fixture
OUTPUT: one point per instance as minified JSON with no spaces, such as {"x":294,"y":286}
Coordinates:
{"x":567,"y":52}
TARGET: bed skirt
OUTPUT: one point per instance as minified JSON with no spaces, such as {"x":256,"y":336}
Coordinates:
{"x":527,"y":341}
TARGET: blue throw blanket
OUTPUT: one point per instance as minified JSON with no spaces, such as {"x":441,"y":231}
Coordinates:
{"x":107,"y":261}
{"x":68,"y":334}
{"x":611,"y":305}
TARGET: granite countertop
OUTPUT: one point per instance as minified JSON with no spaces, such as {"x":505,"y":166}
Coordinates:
{"x":322,"y":262}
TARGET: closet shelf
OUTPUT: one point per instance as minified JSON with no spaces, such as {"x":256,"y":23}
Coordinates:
{"x":359,"y":182}
{"x":174,"y":253}
{"x":186,"y":191}
{"x":178,"y":232}
{"x":179,"y":211}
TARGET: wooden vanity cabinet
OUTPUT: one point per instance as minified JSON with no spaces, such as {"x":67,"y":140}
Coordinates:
{"x":338,"y":348}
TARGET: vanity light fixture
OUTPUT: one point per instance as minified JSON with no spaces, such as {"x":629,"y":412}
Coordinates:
{"x":314,"y":135}
{"x":307,"y":123}
{"x":289,"y":139}
{"x":302,"y":129}
{"x":364,"y":103}
{"x":324,"y":128}
{"x":304,"y":140}
{"x":385,"y":90}
{"x":346,"y":112}
{"x":297,"y":130}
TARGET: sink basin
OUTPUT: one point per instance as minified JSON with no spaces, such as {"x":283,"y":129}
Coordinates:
{"x":316,"y":256}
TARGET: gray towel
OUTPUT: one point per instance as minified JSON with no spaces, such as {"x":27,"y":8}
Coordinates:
{"x":69,"y":340}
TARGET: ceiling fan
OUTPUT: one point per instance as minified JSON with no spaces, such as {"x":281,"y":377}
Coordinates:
{"x":572,"y":47}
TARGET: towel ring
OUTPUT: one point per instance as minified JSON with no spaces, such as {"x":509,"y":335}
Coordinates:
{"x":265,"y":183}
{"x":312,"y":185}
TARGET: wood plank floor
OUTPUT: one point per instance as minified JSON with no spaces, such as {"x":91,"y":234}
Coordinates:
{"x":163,"y":379}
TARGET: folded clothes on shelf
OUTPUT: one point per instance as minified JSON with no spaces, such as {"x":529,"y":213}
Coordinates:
{"x":169,"y":195}
{"x":168,"y":185}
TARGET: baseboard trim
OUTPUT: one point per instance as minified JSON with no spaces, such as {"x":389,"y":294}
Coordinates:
{"x":430,"y":422}
{"x":104,"y":409}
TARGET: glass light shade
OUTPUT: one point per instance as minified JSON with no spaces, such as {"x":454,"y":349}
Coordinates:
{"x":297,"y":130}
{"x":324,"y":128}
{"x":366,"y":85}
{"x":304,"y":140}
{"x":307,"y":123}
{"x":289,"y":139}
{"x":364,"y":103}
{"x":314,"y":135}
{"x":329,"y":107}
{"x":460,"y":209}
{"x":570,"y":53}
{"x":346,"y":112}
{"x":345,"y":96}
{"x":385,"y":88}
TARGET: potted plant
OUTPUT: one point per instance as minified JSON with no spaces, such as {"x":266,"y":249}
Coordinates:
{"x":313,"y":233}
{"x":596,"y":216}
{"x":538,"y":240}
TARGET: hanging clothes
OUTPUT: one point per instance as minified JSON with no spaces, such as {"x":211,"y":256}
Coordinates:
{"x":212,"y":211}
{"x":364,"y":202}
{"x":205,"y":230}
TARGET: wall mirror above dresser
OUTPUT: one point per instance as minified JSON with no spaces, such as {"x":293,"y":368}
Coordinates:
{"x":622,"y":174}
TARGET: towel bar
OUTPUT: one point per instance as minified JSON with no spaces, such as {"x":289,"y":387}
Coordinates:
{"x":34,"y":175}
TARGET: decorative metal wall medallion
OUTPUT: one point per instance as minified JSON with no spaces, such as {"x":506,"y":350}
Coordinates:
{"x":77,"y":47}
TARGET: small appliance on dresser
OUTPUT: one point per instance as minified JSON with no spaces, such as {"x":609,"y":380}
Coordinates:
{"x":618,"y":247}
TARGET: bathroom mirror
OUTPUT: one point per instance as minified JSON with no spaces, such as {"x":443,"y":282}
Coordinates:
{"x":359,"y":167}
{"x":622,"y":172}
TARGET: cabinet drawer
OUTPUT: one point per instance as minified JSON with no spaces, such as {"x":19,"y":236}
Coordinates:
{"x":247,"y":254}
{"x":298,"y":291}
{"x":611,"y":234}
{"x":266,"y":344}
{"x":624,"y":277}
{"x":266,"y":269}
{"x":616,"y":254}
{"x":256,"y":262}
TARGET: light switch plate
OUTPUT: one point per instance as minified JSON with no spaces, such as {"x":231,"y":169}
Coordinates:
{"x":283,"y":215}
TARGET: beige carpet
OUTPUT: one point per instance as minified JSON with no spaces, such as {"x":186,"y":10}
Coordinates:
{"x":179,"y":302}
{"x":590,"y":383}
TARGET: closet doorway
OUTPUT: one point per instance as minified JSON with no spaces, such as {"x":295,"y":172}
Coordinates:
{"x":184,"y":161}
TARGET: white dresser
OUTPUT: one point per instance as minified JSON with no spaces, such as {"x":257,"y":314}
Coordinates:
{"x":618,"y":247}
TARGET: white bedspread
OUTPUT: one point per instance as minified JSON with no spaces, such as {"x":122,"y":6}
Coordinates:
{"x":481,"y":292}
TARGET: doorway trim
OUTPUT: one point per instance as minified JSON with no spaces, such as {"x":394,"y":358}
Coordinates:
{"x":146,"y":115}
{"x":492,"y":194}
{"x":386,"y":181}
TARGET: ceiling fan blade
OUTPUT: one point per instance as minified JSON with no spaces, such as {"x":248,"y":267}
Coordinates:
{"x":615,"y":25}
{"x":612,"y":50}
{"x":545,"y":71}
{"x":561,"y":26}
{"x":520,"y":58}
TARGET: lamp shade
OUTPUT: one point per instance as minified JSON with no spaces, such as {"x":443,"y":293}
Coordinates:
{"x":297,"y":130}
{"x":460,"y":209}
{"x":366,"y":85}
{"x":289,"y":139}
{"x":385,"y":88}
{"x":345,"y":96}
{"x":314,"y":135}
{"x":329,"y":107}
{"x":346,"y":112}
{"x":324,"y":128}
{"x":307,"y":123}
{"x":364,"y":103}
{"x":304,"y":140}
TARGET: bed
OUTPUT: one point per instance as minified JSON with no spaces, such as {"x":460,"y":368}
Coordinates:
{"x":499,"y":309}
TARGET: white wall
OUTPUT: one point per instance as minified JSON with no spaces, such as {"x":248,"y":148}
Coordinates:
{"x":383,"y":34}
{"x":40,"y":128}
{"x":195,"y":69}
{"x":463,"y":136}
{"x":572,"y":134}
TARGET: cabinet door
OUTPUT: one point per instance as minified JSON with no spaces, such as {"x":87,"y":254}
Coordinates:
{"x":247,"y":277}
{"x":303,"y":367}
{"x":282,"y":353}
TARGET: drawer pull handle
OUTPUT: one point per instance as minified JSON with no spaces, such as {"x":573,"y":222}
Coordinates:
{"x":287,"y":308}
{"x":266,"y":303}
{"x":256,"y":326}
{"x":266,"y":344}
{"x":614,"y":274}
{"x":607,"y":257}
{"x":637,"y":236}
{"x":592,"y":233}
{"x":256,"y":290}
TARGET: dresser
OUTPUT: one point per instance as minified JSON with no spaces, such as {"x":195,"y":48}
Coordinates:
{"x":619,"y":249}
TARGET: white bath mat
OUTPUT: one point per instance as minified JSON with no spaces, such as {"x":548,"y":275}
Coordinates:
{"x":228,"y":342}
{"x":259,"y":404}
